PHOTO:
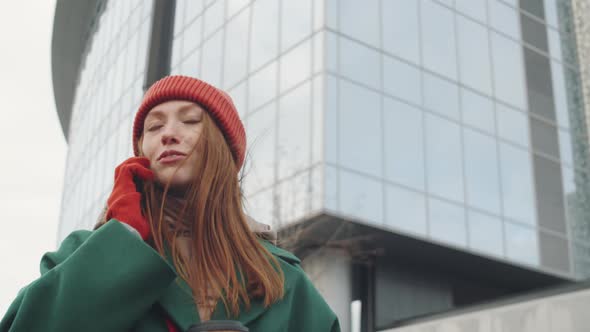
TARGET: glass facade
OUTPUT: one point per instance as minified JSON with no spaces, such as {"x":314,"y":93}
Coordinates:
{"x":458,"y":121}
{"x":109,"y":90}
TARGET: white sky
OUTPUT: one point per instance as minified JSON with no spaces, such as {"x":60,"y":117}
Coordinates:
{"x":32,"y":145}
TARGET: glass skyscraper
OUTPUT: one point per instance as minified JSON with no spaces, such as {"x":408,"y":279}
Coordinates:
{"x":447,"y":138}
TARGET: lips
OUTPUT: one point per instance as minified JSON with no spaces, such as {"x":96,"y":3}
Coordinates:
{"x":171,"y":154}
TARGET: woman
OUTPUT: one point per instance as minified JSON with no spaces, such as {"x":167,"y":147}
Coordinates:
{"x":175,"y":247}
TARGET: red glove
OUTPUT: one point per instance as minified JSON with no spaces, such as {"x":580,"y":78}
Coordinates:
{"x":124,"y":204}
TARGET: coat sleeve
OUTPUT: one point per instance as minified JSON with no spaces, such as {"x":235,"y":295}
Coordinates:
{"x":97,"y":281}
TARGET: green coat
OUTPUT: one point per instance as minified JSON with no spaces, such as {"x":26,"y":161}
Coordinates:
{"x":110,"y":280}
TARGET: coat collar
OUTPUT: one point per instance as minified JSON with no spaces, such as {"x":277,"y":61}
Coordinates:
{"x":178,"y":303}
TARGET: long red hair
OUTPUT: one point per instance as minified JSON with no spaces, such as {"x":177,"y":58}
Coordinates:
{"x":228,"y":260}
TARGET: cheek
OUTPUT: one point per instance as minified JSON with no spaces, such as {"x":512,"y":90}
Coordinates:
{"x":147,"y":148}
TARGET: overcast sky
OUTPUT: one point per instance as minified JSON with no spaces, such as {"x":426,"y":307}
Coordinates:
{"x":32,"y":145}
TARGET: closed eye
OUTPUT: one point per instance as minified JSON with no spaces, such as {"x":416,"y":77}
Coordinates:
{"x":154,"y":128}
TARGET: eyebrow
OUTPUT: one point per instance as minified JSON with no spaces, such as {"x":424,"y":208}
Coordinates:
{"x":160,"y":113}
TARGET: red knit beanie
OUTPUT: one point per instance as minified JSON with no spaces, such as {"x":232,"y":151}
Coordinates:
{"x":216,"y":102}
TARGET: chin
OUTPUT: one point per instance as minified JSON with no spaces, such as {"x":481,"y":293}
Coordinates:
{"x":178,"y":182}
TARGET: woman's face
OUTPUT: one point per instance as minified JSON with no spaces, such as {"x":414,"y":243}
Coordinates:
{"x":170,"y":132}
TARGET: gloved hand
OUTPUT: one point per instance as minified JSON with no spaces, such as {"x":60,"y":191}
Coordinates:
{"x":124,"y":203}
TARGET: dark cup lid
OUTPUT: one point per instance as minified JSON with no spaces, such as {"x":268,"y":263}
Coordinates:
{"x":219,"y":325}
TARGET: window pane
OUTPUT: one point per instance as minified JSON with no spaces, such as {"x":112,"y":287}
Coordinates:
{"x":508,"y":71}
{"x":438,"y":39}
{"x":401,"y":80}
{"x":513,"y":125}
{"x":474,"y":55}
{"x":481,"y":171}
{"x":191,"y":65}
{"x":295,"y":22}
{"x":233,"y":6}
{"x":473,"y":8}
{"x":504,"y":19}
{"x":352,"y":55}
{"x":405,"y":210}
{"x":485,"y":233}
{"x":360,"y":129}
{"x":214,"y":17}
{"x":179,"y":12}
{"x":441,"y":96}
{"x":359,"y":19}
{"x":478,"y":111}
{"x":191,"y":37}
{"x":521,"y":244}
{"x":263,"y":86}
{"x":447,"y":222}
{"x":294,"y":131}
{"x":212,"y":58}
{"x":517,"y":186}
{"x":404,"y":144}
{"x":444,"y":160}
{"x":400,"y":29}
{"x":361,"y":197}
{"x":265,"y":27}
{"x":296,"y":66}
{"x":294,"y":198}
{"x":193,"y":9}
{"x":236,"y":44}
{"x":261,"y":137}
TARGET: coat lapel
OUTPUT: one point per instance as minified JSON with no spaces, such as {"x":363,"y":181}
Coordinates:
{"x":179,"y":305}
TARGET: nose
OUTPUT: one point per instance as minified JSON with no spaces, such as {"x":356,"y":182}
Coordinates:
{"x":170,"y":135}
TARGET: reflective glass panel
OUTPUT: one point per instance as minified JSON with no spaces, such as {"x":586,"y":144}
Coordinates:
{"x":360,"y":129}
{"x":485,"y":233}
{"x":361,"y":197}
{"x":517,"y":185}
{"x":404,"y":144}
{"x":352,"y":55}
{"x":401,"y":80}
{"x":513,"y":125}
{"x":438,"y":39}
{"x":481,"y":171}
{"x":400,"y":29}
{"x":261,"y":129}
{"x":447,"y":222}
{"x":441,"y":96}
{"x":264,"y":36}
{"x":477,"y":111}
{"x":236,"y":43}
{"x":405,"y":210}
{"x":295,"y":22}
{"x":521,"y":243}
{"x":443,"y":158}
{"x":296,"y":65}
{"x":509,"y":81}
{"x":294,"y":131}
{"x":263,"y":86}
{"x":474,"y":55}
{"x":359,"y":19}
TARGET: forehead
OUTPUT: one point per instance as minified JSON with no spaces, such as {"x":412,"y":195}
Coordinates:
{"x":172,"y":107}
